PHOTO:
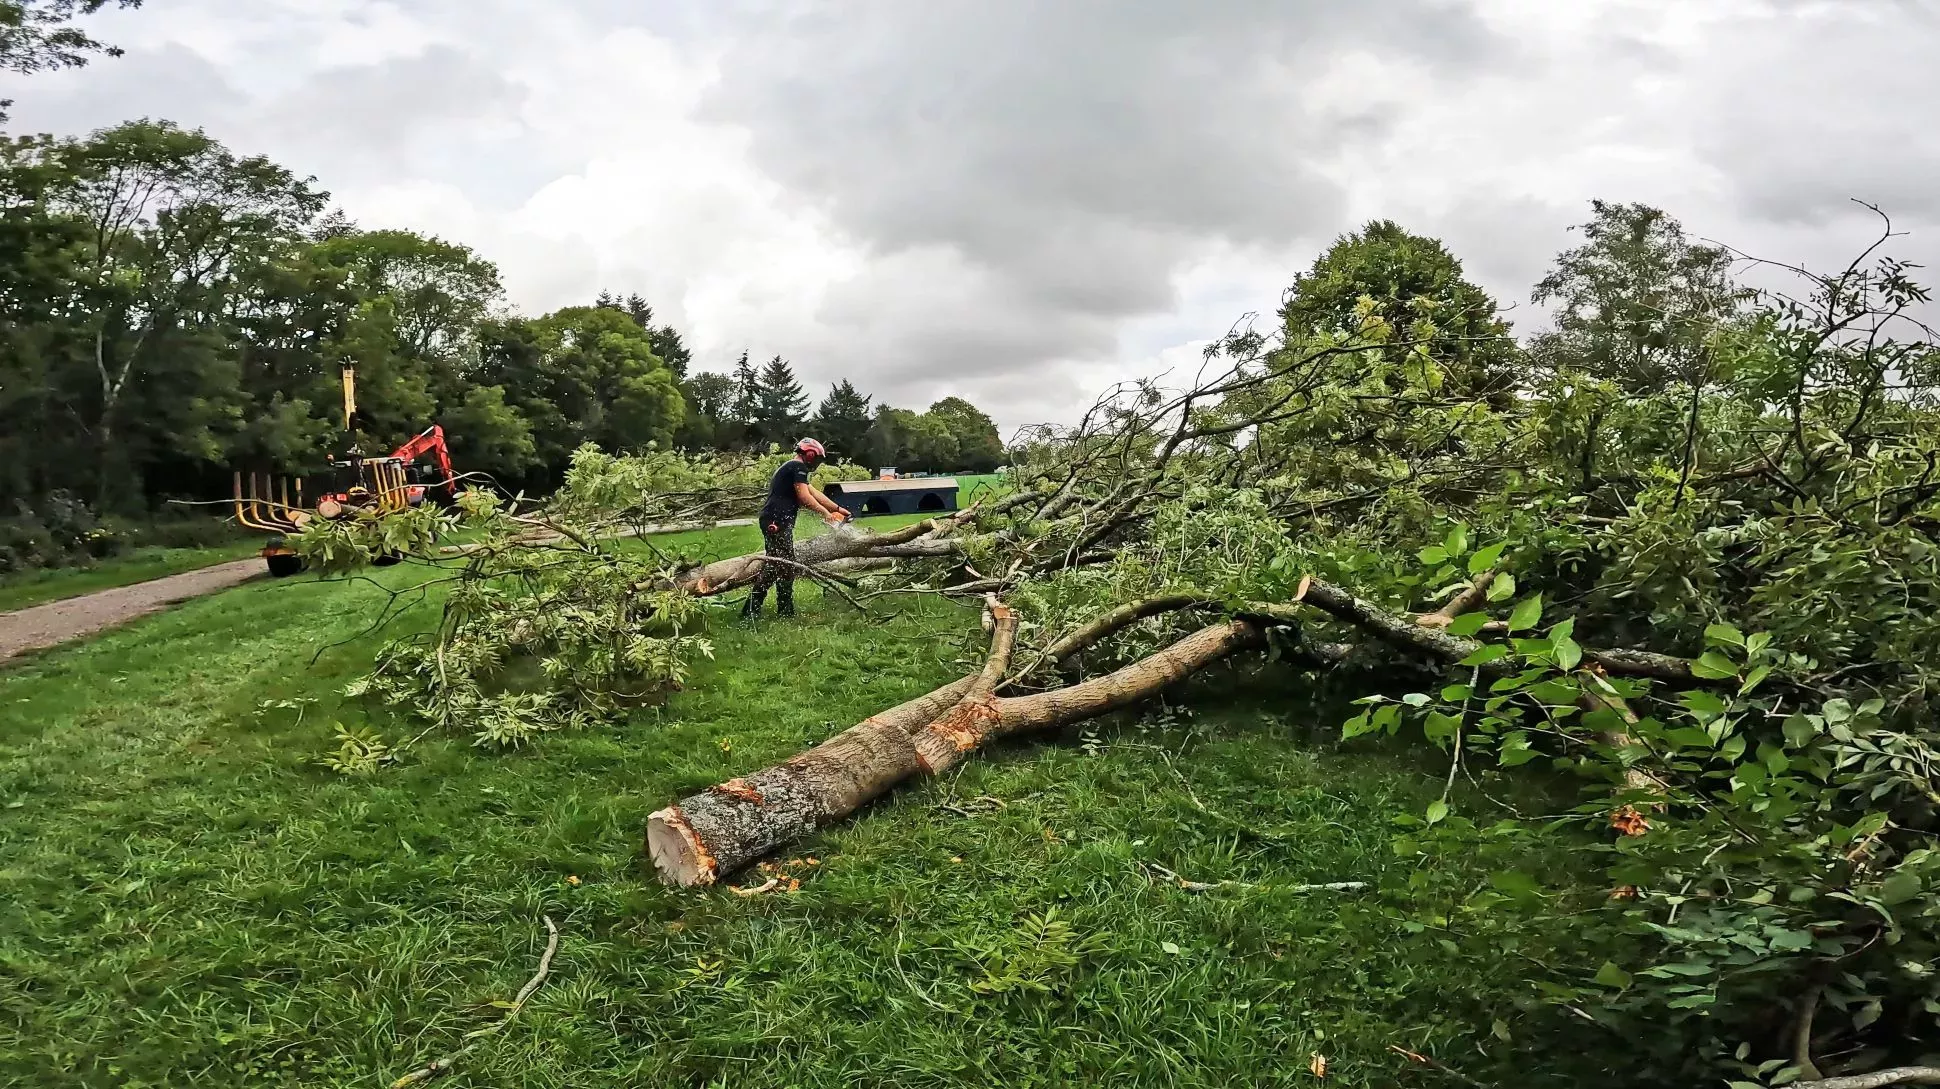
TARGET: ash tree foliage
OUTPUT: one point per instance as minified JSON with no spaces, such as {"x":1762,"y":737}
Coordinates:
{"x":1636,"y":302}
{"x":1702,"y":608}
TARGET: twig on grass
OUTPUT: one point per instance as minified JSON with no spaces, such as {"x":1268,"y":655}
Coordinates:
{"x":755,"y":890}
{"x":1436,"y":1064}
{"x":1157,"y":871}
{"x":443,"y":1066}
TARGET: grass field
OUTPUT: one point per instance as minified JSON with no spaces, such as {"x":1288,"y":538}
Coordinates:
{"x":186,"y":898}
{"x":19,"y":591}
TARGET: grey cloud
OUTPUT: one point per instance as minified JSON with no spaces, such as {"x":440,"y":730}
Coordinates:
{"x":440,"y":113}
{"x":1814,"y":104}
{"x":169,"y":82}
{"x":383,"y":108}
{"x":1074,"y":155}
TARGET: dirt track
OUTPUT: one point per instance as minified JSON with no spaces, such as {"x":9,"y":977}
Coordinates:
{"x":59,"y":621}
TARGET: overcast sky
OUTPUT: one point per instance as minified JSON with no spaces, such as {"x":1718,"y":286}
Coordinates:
{"x":1021,"y":201}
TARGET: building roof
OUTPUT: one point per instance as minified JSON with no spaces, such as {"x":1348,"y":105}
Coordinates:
{"x":904,"y":484}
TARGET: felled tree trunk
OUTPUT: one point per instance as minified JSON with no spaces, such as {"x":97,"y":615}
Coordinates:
{"x":718,"y":831}
{"x":725,"y":827}
{"x":944,"y":743}
{"x":845,"y":543}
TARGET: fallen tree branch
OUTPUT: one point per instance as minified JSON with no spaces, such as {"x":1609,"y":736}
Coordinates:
{"x":1878,"y":1079}
{"x":443,"y":1066}
{"x":720,"y":830}
{"x":1106,"y":626}
{"x":1595,"y":694}
{"x":1435,"y":1064}
{"x":1802,"y":1032}
{"x":1403,"y":630}
{"x":712,"y":834}
{"x":945,"y":743}
{"x":1476,"y":593}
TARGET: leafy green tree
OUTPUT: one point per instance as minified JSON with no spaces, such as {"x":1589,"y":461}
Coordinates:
{"x":512,"y":358}
{"x":891,"y":438}
{"x":979,"y":446}
{"x":709,"y":396}
{"x":174,"y":222}
{"x":606,"y":382}
{"x":1637,"y":301}
{"x":667,"y":342}
{"x":1411,"y":287}
{"x":842,"y":422}
{"x":933,"y":445}
{"x":38,"y":256}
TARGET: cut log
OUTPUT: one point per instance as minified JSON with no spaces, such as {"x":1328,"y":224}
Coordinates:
{"x":725,"y":827}
{"x":718,"y":831}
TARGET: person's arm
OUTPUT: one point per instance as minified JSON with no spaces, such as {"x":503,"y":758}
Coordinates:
{"x":816,"y":501}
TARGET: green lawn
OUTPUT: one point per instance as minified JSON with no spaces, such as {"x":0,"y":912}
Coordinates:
{"x":186,"y":898}
{"x":18,"y":591}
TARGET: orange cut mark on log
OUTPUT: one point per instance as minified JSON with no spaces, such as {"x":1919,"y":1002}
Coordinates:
{"x":963,"y":727}
{"x":1629,"y":822}
{"x":739,"y":790}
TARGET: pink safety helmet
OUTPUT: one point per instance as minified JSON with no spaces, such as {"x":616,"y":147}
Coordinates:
{"x":811,"y":448}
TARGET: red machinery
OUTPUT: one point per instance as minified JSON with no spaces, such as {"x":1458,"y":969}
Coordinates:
{"x":387,"y":484}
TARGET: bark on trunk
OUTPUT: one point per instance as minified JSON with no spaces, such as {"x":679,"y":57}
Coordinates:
{"x":945,"y":743}
{"x":720,"y":830}
{"x":728,"y":826}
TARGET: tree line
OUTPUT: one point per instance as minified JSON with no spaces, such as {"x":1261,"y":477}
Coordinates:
{"x":752,"y":407}
{"x":174,"y":310}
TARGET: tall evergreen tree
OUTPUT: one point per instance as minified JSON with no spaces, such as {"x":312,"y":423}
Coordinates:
{"x":671,"y":349}
{"x":781,"y":403}
{"x":746,"y":405}
{"x":842,"y":421}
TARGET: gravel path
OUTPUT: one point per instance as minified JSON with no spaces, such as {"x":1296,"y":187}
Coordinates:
{"x":59,"y":621}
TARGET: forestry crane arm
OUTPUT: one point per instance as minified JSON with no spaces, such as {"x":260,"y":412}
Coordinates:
{"x":432,"y":441}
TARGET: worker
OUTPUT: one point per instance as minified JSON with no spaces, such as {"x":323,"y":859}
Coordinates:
{"x":788,"y":493}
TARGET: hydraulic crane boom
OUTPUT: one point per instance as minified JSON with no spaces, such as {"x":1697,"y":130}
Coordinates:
{"x":430,"y":441}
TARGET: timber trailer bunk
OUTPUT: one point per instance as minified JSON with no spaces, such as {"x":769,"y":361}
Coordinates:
{"x":385,"y":485}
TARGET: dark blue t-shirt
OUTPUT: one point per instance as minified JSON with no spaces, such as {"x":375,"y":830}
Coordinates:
{"x":782,"y":504}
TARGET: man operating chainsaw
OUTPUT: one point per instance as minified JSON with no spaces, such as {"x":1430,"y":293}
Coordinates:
{"x":788,"y":493}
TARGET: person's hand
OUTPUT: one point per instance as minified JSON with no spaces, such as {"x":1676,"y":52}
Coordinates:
{"x":844,"y":512}
{"x":832,"y":518}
